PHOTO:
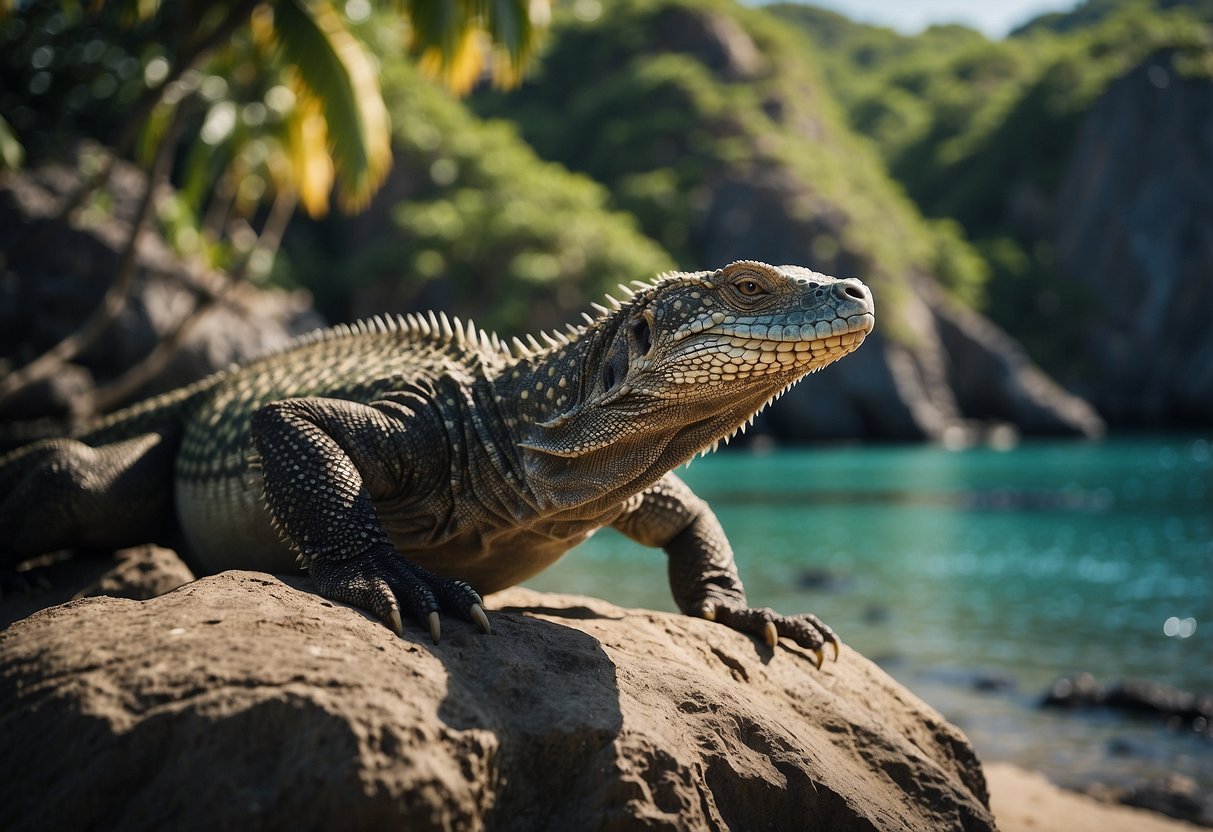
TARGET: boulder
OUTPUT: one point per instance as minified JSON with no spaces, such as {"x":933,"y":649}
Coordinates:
{"x":1176,"y":796}
{"x":246,"y":701}
{"x":139,"y":572}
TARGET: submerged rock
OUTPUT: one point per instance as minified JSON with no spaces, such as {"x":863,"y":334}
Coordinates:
{"x":1133,"y":696}
{"x":244,"y":701}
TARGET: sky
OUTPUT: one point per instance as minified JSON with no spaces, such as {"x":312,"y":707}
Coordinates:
{"x":995,"y":18}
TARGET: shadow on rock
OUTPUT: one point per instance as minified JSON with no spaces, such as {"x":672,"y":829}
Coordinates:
{"x":244,"y":701}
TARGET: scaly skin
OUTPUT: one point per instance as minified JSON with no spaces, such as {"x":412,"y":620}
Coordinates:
{"x":403,"y":463}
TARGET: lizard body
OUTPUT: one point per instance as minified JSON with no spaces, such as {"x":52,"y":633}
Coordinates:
{"x":404,"y":462}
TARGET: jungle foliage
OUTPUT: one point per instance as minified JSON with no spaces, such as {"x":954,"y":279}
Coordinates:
{"x":640,"y":125}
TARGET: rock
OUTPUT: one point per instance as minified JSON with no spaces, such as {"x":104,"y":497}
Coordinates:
{"x":1134,"y":696}
{"x":53,"y":276}
{"x":821,"y":579}
{"x":244,"y":701}
{"x":994,"y":380}
{"x":139,"y":573}
{"x":1146,"y":697}
{"x":715,"y":39}
{"x":1176,"y":796}
{"x":55,"y":394}
{"x":1135,"y":228}
{"x":1079,"y":690}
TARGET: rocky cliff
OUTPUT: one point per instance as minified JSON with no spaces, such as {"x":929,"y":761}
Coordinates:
{"x":53,"y":275}
{"x":1135,"y":227}
{"x":244,"y":701}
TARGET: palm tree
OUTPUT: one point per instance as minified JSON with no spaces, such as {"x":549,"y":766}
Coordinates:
{"x":288,"y":99}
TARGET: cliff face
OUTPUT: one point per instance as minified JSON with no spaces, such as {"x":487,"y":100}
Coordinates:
{"x":1135,"y":226}
{"x":240,"y":701}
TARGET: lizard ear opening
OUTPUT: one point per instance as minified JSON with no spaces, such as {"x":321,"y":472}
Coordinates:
{"x":615,"y":368}
{"x":642,"y":335}
{"x":608,"y":378}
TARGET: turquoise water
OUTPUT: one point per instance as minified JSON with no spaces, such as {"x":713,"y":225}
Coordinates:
{"x":1043,"y":560}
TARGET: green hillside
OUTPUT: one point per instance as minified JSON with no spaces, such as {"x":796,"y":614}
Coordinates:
{"x":690,"y":101}
{"x":980,"y":131}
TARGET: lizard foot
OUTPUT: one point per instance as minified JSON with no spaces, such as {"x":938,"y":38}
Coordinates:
{"x":382,"y":581}
{"x":805,"y":629}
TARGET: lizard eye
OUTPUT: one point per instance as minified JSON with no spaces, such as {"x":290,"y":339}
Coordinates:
{"x":749,"y":288}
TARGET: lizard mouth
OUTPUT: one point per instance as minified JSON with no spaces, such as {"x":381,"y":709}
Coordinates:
{"x":737,"y":351}
{"x":822,"y":331}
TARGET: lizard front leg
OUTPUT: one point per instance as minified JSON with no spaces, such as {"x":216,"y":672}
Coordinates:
{"x":703,"y":574}
{"x":324,"y":462}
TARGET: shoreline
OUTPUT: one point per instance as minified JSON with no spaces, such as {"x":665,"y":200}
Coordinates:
{"x":1025,"y":801}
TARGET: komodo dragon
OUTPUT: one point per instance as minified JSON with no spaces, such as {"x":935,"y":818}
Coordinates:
{"x":404,"y":462}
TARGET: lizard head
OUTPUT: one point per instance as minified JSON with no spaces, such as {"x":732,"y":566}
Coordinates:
{"x":688,"y":360}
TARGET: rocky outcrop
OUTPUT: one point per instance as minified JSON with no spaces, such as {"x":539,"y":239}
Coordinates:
{"x":245,"y":701}
{"x":52,"y":276}
{"x":959,"y":379}
{"x":1135,"y":226}
{"x":994,"y":380}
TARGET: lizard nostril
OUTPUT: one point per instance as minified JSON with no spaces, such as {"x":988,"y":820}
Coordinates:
{"x":850,"y":290}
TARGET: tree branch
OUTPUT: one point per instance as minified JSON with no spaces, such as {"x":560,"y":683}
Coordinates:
{"x":111,"y":395}
{"x":118,"y":294}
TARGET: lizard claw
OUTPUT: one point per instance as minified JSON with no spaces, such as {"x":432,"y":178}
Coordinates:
{"x":771,"y":636}
{"x":806,"y":630}
{"x":477,"y":613}
{"x":382,"y":581}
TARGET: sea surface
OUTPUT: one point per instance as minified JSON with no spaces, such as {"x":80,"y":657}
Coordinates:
{"x":976,"y":578}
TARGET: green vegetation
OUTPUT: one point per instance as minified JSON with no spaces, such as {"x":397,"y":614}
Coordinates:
{"x":980,"y":132}
{"x":705,"y":108}
{"x":698,"y":130}
{"x":516,"y":242}
{"x":240,"y":103}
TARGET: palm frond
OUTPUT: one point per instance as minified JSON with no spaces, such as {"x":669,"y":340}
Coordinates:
{"x":336,"y":70}
{"x":306,"y":146}
{"x":456,"y":38}
{"x":12,"y":154}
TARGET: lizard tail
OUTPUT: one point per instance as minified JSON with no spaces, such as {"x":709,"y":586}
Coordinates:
{"x":142,"y":417}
